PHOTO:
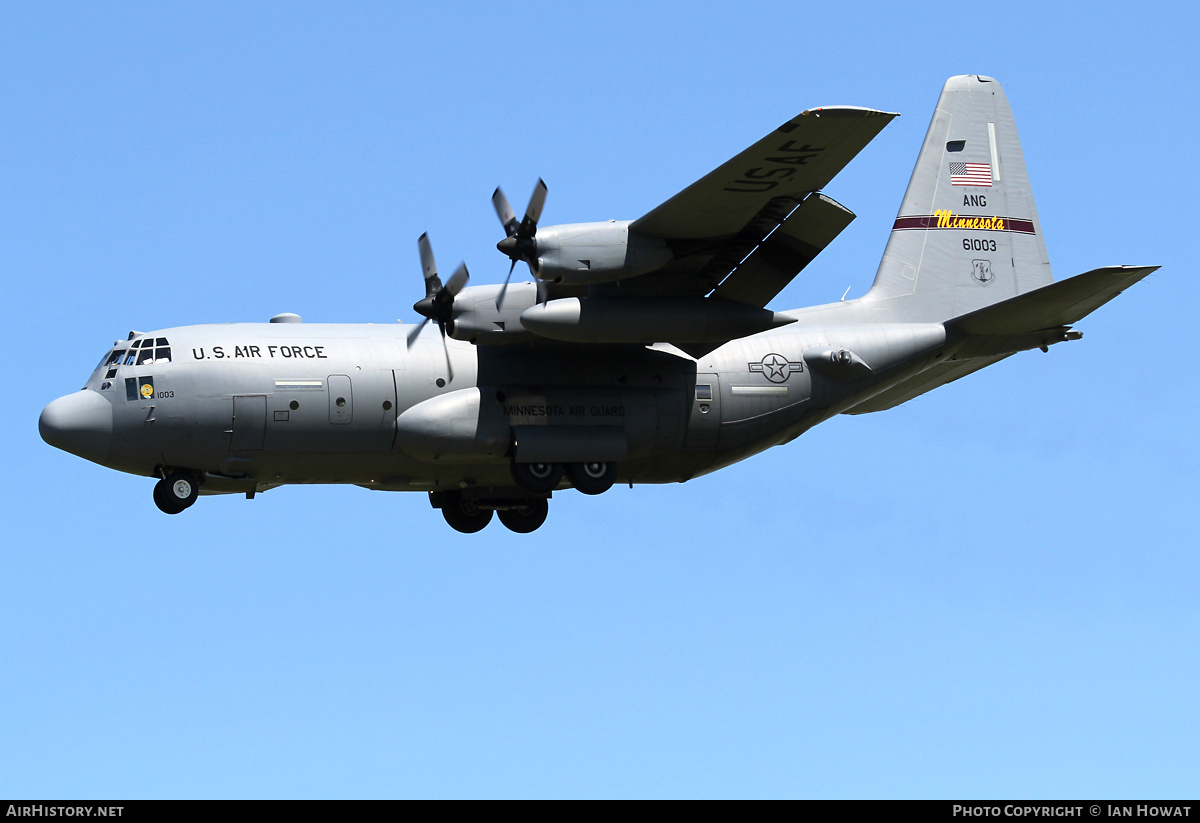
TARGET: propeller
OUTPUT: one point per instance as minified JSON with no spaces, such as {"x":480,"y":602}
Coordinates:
{"x":438,"y":303}
{"x":519,"y":242}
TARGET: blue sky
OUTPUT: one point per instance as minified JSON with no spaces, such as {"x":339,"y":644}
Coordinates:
{"x":989,"y":591}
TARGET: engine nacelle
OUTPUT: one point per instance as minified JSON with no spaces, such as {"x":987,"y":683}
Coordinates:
{"x":477,"y":320}
{"x":581,"y":253}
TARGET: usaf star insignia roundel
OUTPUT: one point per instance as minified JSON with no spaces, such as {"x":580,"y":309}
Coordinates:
{"x":776,"y":367}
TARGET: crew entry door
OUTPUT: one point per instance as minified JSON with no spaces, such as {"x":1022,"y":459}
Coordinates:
{"x":704,"y":423}
{"x":249,"y":422}
{"x":341,"y":399}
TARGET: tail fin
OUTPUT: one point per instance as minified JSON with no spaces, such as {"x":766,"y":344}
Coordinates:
{"x":967,"y":234}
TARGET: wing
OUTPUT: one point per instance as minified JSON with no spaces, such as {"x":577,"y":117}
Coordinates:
{"x":799,"y":157}
{"x":761,"y":203}
{"x":784,"y":253}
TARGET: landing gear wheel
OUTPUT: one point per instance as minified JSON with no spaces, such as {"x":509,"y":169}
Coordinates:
{"x":525,"y":518}
{"x":592,"y":478}
{"x":161,"y":500}
{"x":464,"y":515}
{"x":538,"y":478}
{"x":175,"y":492}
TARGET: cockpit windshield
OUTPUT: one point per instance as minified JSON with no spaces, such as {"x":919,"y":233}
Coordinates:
{"x":143,"y":352}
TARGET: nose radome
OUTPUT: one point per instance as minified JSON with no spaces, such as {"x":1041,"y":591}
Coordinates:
{"x":79,"y":423}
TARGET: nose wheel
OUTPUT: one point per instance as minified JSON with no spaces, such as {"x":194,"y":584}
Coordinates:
{"x":175,"y":492}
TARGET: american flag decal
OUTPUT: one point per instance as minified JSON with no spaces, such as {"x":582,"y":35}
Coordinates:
{"x":971,"y":174}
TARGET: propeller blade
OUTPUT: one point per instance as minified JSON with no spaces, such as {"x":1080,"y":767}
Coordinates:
{"x":456,"y":282}
{"x":428,"y":266}
{"x":504,"y":288}
{"x":446,"y":350}
{"x":533,"y":213}
{"x":504,"y":211}
{"x":415,"y":333}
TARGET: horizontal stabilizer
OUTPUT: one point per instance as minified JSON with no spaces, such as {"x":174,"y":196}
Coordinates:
{"x":1036,"y":318}
{"x":1058,"y":304}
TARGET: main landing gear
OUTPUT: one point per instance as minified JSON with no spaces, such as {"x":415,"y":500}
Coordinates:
{"x":543,"y":478}
{"x":592,"y":478}
{"x":469,"y":514}
{"x":524,"y":509}
{"x":175,"y":492}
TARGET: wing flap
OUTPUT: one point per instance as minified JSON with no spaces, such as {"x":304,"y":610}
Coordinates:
{"x":799,"y":157}
{"x":786,"y":251}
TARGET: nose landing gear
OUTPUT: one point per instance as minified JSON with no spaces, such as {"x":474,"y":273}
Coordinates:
{"x":175,"y":492}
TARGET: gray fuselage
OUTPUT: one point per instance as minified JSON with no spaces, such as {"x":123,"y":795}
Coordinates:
{"x":253,"y":406}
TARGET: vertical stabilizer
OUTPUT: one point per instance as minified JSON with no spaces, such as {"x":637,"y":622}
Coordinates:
{"x":968,"y":233}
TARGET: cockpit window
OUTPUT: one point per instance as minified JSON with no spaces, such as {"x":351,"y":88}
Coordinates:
{"x":147,"y":350}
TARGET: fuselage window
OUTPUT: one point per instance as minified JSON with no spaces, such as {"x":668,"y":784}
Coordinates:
{"x":115,"y":357}
{"x":145,"y":356}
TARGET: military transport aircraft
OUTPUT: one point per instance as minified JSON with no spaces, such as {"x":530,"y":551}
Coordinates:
{"x":643,"y":352}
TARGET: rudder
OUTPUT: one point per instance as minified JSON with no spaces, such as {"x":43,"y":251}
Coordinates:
{"x":967,"y":234}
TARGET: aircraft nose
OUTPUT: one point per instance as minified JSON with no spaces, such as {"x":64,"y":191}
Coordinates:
{"x":79,"y":423}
